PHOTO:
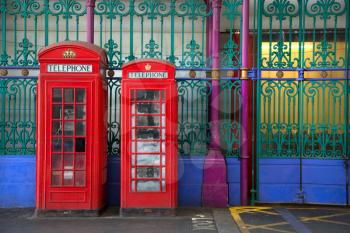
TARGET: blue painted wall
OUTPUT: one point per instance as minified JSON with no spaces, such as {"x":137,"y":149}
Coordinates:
{"x":190,"y":175}
{"x":233,"y":179}
{"x":324,"y":181}
{"x":17,"y":181}
{"x":113,"y":182}
{"x":278,"y":180}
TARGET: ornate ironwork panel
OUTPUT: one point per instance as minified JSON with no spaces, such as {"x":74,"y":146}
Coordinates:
{"x":193,"y":126}
{"x":231,"y":51}
{"x":230,"y":117}
{"x":17,"y":116}
{"x":113,"y":129}
{"x":278,"y":127}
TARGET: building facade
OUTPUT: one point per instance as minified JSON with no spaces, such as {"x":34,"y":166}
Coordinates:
{"x":263,"y":83}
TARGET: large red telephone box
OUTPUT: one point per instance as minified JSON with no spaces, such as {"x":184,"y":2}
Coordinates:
{"x":71,"y":127}
{"x":149,"y":136}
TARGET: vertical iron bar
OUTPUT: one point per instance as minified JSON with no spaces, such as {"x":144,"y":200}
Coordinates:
{"x":172,"y":31}
{"x":90,"y":5}
{"x":46,"y":21}
{"x":132,"y":12}
{"x":4,"y":56}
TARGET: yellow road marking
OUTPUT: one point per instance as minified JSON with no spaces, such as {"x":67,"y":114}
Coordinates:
{"x":250,"y":227}
{"x":241,"y":225}
{"x":236,"y":211}
{"x":271,"y":229}
{"x":304,"y":219}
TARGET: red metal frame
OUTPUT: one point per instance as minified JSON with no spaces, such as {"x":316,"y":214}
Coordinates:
{"x":88,"y":195}
{"x":131,"y":197}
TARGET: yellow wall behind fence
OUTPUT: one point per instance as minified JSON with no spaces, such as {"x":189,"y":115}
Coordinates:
{"x":323,"y":102}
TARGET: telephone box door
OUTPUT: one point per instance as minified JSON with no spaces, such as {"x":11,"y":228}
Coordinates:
{"x":68,"y":154}
{"x":149,"y":140}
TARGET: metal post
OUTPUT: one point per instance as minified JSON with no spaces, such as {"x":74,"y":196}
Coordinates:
{"x":246,"y":126}
{"x":215,"y":188}
{"x":90,"y":5}
{"x":209,"y":40}
{"x":4,"y":56}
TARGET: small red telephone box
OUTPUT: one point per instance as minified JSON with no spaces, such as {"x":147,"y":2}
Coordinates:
{"x":71,"y":127}
{"x":149,"y":136}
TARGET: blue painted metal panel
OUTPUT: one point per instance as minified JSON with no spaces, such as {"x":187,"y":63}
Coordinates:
{"x":233,"y":179}
{"x":278,"y":180}
{"x":190,"y":175}
{"x":324,"y":181}
{"x":113,"y":182}
{"x":17,"y":181}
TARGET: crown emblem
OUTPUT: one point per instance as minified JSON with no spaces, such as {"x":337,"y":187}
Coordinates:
{"x":69,"y":54}
{"x":148,"y":67}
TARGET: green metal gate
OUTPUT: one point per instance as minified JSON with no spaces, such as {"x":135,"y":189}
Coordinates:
{"x":302,"y":106}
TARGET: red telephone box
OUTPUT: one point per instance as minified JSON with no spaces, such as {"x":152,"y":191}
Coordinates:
{"x":71,"y":127}
{"x":149,"y":136}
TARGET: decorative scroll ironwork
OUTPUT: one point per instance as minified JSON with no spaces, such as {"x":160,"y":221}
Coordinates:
{"x":193,"y":126}
{"x":325,"y":13}
{"x":230,"y":55}
{"x":17,"y":116}
{"x":324,"y":120}
{"x":278,"y":124}
{"x":280,"y":51}
{"x":113,"y":130}
{"x":230,"y":117}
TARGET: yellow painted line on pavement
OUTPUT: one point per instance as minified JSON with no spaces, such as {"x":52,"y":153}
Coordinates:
{"x":269,"y":228}
{"x":241,"y":225}
{"x":252,"y":227}
{"x":318,"y":218}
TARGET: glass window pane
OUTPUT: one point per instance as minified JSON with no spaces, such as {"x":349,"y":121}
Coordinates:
{"x":56,"y":144}
{"x":56,"y":161}
{"x":133,"y":173}
{"x":148,"y":108}
{"x":148,"y":147}
{"x":80,"y":95}
{"x":163,"y":133}
{"x":147,"y":95}
{"x":147,"y":185}
{"x":68,"y":95}
{"x":80,"y":144}
{"x":68,"y":128}
{"x":148,"y":159}
{"x":133,"y":186}
{"x":68,"y":144}
{"x":148,"y":133}
{"x":56,"y":128}
{"x":56,"y":111}
{"x":57,"y":95}
{"x":80,"y":161}
{"x":68,"y":112}
{"x":80,"y":178}
{"x":163,"y":160}
{"x":147,"y":172}
{"x":80,"y":128}
{"x":68,"y":161}
{"x":147,"y":121}
{"x":68,"y":178}
{"x":163,"y":108}
{"x":163,"y":121}
{"x":80,"y":111}
{"x":163,"y":185}
{"x":56,"y":178}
